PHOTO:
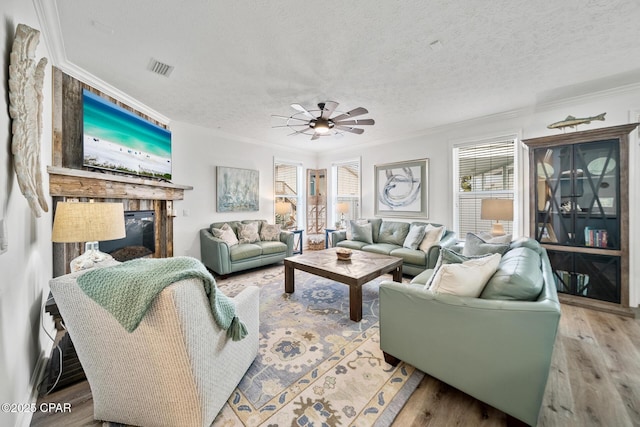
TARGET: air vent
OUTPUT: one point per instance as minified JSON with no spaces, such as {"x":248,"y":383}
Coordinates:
{"x":160,"y":68}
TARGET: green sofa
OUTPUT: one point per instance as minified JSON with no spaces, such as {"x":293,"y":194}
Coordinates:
{"x":388,"y":238}
{"x":496,"y":350}
{"x":222,"y":258}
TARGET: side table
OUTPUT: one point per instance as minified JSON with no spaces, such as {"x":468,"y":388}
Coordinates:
{"x":297,"y":244}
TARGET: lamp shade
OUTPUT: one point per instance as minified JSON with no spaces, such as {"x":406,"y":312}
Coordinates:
{"x":283,"y":208}
{"x":497,"y":209}
{"x":343,"y":207}
{"x":88,"y":222}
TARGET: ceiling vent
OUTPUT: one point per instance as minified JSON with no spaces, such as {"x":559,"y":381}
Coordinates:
{"x":160,"y":68}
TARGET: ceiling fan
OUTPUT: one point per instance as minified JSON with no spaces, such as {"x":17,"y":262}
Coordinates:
{"x":319,"y":122}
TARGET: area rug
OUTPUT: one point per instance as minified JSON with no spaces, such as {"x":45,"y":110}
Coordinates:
{"x":315,"y":367}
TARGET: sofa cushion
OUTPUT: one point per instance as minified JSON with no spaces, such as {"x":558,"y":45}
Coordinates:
{"x":490,"y":238}
{"x":270,"y":233}
{"x":270,"y":247}
{"x":393,"y":232}
{"x":351,"y":244}
{"x":414,"y":237}
{"x":362,"y":232}
{"x":525,"y":242}
{"x":248,"y":233}
{"x":244,"y":251}
{"x":449,"y":256}
{"x":410,"y":256}
{"x":474,"y":246}
{"x":226,"y":234}
{"x":432,"y":235}
{"x":376,"y":223}
{"x":519,"y":277}
{"x":381,"y":248}
{"x":467,"y":279}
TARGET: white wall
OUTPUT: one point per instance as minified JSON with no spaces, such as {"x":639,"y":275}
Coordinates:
{"x":196,"y":153}
{"x":621,"y":105}
{"x":25,"y":268}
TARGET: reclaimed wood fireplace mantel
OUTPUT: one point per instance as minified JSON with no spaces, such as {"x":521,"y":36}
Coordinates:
{"x":135,"y":193}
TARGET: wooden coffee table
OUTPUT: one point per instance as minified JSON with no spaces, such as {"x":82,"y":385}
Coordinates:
{"x":360,"y":269}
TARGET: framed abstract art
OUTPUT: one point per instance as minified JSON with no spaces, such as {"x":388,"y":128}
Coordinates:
{"x":401,"y":189}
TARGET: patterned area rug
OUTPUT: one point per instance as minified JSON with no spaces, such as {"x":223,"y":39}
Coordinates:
{"x":316,"y":367}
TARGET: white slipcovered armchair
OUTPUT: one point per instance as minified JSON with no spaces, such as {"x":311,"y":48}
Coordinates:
{"x":178,"y":368}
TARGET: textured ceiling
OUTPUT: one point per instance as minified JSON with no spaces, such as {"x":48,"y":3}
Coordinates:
{"x":237,"y":63}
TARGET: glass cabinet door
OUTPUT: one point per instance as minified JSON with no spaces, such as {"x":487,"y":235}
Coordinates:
{"x":577,"y":193}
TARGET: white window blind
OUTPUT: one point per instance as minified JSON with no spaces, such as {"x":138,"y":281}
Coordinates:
{"x":483,"y":170}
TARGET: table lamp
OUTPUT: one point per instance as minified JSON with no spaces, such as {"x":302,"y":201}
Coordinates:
{"x":497,"y":209}
{"x":284,"y":210}
{"x":88,"y":222}
{"x":343,"y":208}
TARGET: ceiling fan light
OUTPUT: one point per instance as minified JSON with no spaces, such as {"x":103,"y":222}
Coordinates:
{"x":321,"y":127}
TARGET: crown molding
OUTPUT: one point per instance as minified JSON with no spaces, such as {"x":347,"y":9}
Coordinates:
{"x":47,"y":12}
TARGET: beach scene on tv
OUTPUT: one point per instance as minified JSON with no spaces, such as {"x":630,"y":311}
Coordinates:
{"x":119,"y":140}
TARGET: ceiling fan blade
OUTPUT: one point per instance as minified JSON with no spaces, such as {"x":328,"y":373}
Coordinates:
{"x":350,"y":129}
{"x":289,"y":117}
{"x":302,"y":110}
{"x":354,"y":122}
{"x":315,"y":136}
{"x":291,"y":125}
{"x":328,"y":108}
{"x":353,"y":113}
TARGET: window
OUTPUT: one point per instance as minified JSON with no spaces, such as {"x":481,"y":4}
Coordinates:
{"x":288,"y":197}
{"x":346,"y":191}
{"x":484,"y":170}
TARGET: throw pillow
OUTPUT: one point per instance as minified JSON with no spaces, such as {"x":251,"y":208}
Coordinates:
{"x":225,"y":233}
{"x":448,"y":256}
{"x":490,"y":238}
{"x":362,"y":233}
{"x":474,"y":246}
{"x":415,"y":236}
{"x":467,"y":279}
{"x":349,"y":224}
{"x":432,"y":235}
{"x":270,"y":232}
{"x":248,"y":233}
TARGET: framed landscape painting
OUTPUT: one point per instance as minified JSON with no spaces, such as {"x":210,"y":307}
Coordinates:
{"x":237,"y":189}
{"x":401,"y":189}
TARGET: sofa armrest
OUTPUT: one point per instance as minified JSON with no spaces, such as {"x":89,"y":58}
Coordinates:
{"x":214,"y":252}
{"x":494,"y":350}
{"x":337,"y":236}
{"x":447,"y":241}
{"x":287,"y":238}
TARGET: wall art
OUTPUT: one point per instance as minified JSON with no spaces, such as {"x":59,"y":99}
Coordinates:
{"x":237,"y":189}
{"x":25,"y":108}
{"x":401,"y":189}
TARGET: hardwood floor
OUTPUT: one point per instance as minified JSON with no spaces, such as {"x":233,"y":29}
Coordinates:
{"x":594,"y":381}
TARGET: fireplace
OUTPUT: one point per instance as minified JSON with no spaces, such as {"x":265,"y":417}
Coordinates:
{"x":139,"y":240}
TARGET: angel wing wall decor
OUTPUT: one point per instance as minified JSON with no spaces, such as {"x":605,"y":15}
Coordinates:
{"x":25,"y":108}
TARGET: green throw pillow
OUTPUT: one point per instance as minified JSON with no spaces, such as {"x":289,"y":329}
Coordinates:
{"x":362,"y":232}
{"x":474,"y":246}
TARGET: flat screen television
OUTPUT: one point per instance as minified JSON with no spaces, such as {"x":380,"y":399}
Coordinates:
{"x":117,"y":139}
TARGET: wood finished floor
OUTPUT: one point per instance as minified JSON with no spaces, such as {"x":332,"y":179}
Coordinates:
{"x":594,"y":381}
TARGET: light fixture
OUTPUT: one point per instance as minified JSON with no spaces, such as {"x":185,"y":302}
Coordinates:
{"x":90,"y":222}
{"x":497,"y":209}
{"x":283,"y":209}
{"x":322,"y":126}
{"x":343,"y":208}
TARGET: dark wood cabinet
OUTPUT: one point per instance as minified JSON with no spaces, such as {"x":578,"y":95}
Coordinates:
{"x":579,"y":211}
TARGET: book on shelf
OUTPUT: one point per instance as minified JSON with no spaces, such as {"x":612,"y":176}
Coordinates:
{"x":595,"y":237}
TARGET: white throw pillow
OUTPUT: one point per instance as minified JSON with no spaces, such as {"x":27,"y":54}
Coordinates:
{"x":225,"y":233}
{"x":432,"y":235}
{"x":467,"y":279}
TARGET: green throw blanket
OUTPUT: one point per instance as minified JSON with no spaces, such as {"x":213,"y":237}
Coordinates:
{"x":127,"y":290}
